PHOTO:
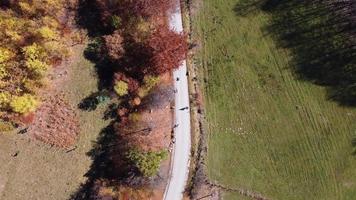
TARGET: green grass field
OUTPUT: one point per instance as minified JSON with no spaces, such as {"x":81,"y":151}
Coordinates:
{"x":269,"y":132}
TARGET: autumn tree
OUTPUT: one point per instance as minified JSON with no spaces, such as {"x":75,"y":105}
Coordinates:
{"x":24,"y":104}
{"x":129,"y":9}
{"x":167,"y":48}
{"x":31,"y":41}
{"x":148,"y":8}
{"x":121,"y":88}
{"x":5,"y":99}
{"x":114,"y":45}
{"x":132,"y":84}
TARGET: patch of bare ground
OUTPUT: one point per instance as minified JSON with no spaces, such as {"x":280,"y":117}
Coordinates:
{"x":56,"y":122}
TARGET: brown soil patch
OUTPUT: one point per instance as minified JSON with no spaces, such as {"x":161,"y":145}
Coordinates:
{"x":56,"y":122}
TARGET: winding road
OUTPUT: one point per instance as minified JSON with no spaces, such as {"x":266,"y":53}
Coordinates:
{"x":181,"y":148}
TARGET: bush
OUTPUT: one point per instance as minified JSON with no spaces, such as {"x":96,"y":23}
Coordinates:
{"x":3,"y":71}
{"x":36,"y":66}
{"x":5,"y":99}
{"x":135,"y":117}
{"x":115,"y":21}
{"x":47,"y":33}
{"x":5,"y":54}
{"x":26,"y":8}
{"x":57,"y":49}
{"x":31,"y":86}
{"x":147,"y":163}
{"x":121,"y":88}
{"x":94,"y":50}
{"x":101,"y":98}
{"x":6,"y":126}
{"x":149,"y":82}
{"x":24,"y":104}
{"x":34,"y":52}
{"x":114,"y":45}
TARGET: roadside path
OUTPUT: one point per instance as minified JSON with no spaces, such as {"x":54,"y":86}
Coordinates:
{"x":181,"y":149}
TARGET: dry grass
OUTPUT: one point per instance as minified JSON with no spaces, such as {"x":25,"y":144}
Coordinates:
{"x":56,"y":122}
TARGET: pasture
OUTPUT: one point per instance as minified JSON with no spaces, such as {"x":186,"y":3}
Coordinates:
{"x":270,"y":131}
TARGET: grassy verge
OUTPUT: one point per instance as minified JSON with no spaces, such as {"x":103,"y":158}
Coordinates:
{"x":235,"y":196}
{"x":269,"y":132}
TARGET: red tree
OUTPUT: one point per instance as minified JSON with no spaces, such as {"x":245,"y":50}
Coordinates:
{"x":167,"y":48}
{"x":114,"y":45}
{"x":148,"y":8}
{"x":143,"y":8}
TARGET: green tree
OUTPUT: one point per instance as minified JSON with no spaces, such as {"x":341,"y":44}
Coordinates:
{"x":147,"y":162}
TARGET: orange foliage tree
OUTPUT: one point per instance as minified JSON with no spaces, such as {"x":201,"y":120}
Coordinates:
{"x":167,"y":48}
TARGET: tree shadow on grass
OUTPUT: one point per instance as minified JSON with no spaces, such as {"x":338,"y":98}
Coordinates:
{"x":248,"y":7}
{"x":89,"y":18}
{"x":353,"y":143}
{"x":321,"y":37}
{"x":106,"y":156}
{"x":102,"y":166}
{"x":91,"y":102}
